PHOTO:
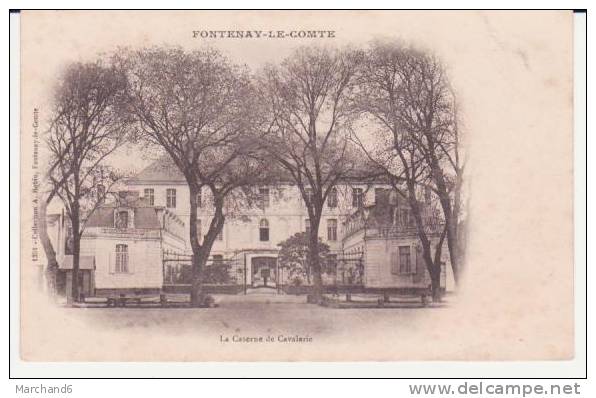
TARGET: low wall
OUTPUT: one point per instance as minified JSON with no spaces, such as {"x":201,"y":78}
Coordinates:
{"x":207,"y":288}
{"x":339,"y":289}
{"x":127,"y":292}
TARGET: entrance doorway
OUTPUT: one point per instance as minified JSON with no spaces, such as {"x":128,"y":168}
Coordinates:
{"x":264,"y":272}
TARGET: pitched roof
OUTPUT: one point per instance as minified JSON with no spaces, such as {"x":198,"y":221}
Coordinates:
{"x":164,"y":171}
{"x":144,"y":218}
{"x":145,"y":215}
{"x":161,"y":170}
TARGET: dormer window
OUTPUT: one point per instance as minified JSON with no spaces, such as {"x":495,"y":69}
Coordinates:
{"x":264,"y":230}
{"x":332,"y":198}
{"x":101,"y":193}
{"x":263,"y":198}
{"x":121,"y":219}
{"x":309,"y":194}
{"x":427,"y":194}
{"x":357,"y":197}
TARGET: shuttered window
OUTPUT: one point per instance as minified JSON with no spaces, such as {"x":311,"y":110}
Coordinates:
{"x":121,"y":259}
{"x":405,"y":264}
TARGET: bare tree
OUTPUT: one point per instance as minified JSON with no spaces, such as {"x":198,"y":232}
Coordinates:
{"x":456,"y":161}
{"x":410,"y":127}
{"x":308,"y":97}
{"x":199,"y":108}
{"x":428,"y":113}
{"x":48,"y":247}
{"x":86,"y":127}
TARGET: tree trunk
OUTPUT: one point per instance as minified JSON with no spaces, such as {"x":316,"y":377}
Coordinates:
{"x":201,"y":252}
{"x":435,"y":277}
{"x":52,"y":265}
{"x":307,"y":271}
{"x":198,"y":259}
{"x":450,"y":221}
{"x":434,"y":270}
{"x":76,"y":253}
{"x":433,"y":267}
{"x":450,"y":215}
{"x":196,"y":289}
{"x":459,"y":242}
{"x":453,"y":247}
{"x":317,"y":288}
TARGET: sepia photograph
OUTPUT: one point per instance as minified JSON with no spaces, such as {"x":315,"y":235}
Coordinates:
{"x":296,"y":186}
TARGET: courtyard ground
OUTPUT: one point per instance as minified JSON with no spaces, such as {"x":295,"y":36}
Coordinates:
{"x":256,"y":312}
{"x":261,"y":325}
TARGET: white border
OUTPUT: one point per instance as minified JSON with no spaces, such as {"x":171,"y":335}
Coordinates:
{"x":558,"y":369}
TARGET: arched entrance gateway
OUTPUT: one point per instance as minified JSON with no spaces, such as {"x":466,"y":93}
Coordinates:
{"x":264,"y":272}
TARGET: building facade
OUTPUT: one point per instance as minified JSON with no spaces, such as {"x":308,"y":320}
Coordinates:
{"x":122,"y":247}
{"x":128,"y":238}
{"x":250,"y":237}
{"x":138,"y":241}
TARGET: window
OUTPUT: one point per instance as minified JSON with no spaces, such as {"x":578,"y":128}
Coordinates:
{"x":356,"y":197}
{"x":171,"y":198}
{"x":149,"y":195}
{"x":220,"y":234}
{"x":264,"y":198}
{"x":101,"y":193}
{"x":406,"y":218}
{"x":217,"y":259}
{"x":332,"y":229}
{"x":405,"y":267}
{"x":427,"y":194}
{"x":264,"y":230}
{"x":308,"y":192}
{"x":121,"y":259}
{"x":200,"y":198}
{"x":307,"y":227}
{"x":331,"y":263}
{"x":332,"y":198}
{"x":121,"y":219}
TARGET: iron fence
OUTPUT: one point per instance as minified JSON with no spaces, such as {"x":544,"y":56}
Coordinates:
{"x":177,"y":270}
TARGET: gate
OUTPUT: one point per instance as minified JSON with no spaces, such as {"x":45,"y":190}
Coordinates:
{"x":219,"y":275}
{"x":349,"y":269}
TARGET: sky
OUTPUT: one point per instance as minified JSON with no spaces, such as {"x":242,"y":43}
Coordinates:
{"x":496,"y":61}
